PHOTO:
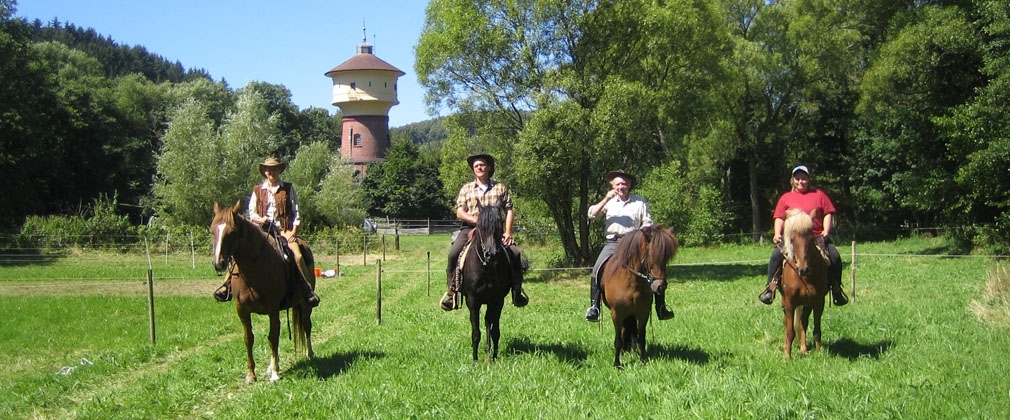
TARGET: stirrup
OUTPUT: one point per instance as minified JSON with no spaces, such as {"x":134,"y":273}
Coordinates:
{"x":767,"y":296}
{"x":519,"y":298}
{"x":449,"y":302}
{"x":223,"y":293}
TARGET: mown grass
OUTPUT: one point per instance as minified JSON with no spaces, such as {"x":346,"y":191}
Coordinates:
{"x":909,"y":346}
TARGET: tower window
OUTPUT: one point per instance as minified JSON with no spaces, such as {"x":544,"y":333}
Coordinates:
{"x":354,"y":85}
{"x":357,"y":140}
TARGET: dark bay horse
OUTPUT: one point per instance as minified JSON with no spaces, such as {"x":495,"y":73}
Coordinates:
{"x":487,"y":277}
{"x":804,"y":282}
{"x":629,"y":278}
{"x":261,"y":283}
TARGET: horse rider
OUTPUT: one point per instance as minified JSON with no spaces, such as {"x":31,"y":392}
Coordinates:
{"x":816,"y":203}
{"x":624,"y":212}
{"x":273,"y":206}
{"x":482,"y":192}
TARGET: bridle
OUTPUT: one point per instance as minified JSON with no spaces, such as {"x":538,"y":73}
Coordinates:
{"x":648,"y":277}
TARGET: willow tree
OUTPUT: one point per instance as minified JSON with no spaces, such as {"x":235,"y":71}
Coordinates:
{"x":562,"y":91}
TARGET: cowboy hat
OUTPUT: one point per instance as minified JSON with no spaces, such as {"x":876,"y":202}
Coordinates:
{"x":487,"y":159}
{"x":620,"y":173}
{"x":273,"y":162}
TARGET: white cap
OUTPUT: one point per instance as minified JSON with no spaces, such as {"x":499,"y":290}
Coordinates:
{"x":801,"y":168}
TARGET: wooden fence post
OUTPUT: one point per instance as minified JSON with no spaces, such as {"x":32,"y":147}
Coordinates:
{"x":852,"y":272}
{"x":378,"y":292}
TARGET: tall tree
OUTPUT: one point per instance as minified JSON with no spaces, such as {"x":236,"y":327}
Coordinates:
{"x":201,"y":163}
{"x":904,"y":166}
{"x":406,"y":186}
{"x":584,"y":86}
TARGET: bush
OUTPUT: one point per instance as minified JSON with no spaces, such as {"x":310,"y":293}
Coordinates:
{"x":98,"y":226}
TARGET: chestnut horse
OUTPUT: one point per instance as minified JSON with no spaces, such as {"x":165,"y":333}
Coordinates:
{"x":629,"y":278}
{"x":487,"y":277}
{"x":804,"y":282}
{"x":261,"y":282}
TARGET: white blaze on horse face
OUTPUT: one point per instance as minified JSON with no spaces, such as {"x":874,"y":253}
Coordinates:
{"x":217,"y":241}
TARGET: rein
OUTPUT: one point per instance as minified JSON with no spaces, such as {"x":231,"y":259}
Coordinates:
{"x":649,"y":278}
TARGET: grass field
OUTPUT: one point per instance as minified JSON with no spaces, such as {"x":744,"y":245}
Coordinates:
{"x":75,"y":344}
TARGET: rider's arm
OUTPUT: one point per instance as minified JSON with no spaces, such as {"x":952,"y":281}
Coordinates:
{"x":828,"y":218}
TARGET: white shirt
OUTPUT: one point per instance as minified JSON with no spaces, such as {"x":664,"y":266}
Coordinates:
{"x":626,"y":216}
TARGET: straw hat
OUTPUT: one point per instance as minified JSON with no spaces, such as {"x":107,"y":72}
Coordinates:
{"x":627,"y":177}
{"x":271,"y":163}
{"x":487,"y":159}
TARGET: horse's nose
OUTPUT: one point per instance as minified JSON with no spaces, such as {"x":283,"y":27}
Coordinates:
{"x":803,"y":271}
{"x":658,"y":286}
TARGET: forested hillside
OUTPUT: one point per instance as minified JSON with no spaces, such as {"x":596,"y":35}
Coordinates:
{"x":898,"y":107}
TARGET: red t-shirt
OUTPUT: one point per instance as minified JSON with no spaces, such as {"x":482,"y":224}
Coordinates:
{"x":812,"y":200}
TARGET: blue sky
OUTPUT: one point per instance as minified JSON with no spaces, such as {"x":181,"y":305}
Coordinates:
{"x":287,"y":43}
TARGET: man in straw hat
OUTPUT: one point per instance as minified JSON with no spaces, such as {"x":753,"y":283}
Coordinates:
{"x":483,"y":192}
{"x":274,"y":206}
{"x":624,"y":212}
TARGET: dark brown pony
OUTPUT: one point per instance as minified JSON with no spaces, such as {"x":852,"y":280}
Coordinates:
{"x":487,"y":278}
{"x":804,"y":282}
{"x":261,"y":283}
{"x":629,"y":278}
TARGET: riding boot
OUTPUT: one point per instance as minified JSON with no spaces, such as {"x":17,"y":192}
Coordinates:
{"x":593,"y":313}
{"x":519,"y":298}
{"x":223,"y":293}
{"x":837,"y":294}
{"x":767,"y":295}
{"x":661,"y":311}
{"x":311,"y":298}
{"x":449,"y":301}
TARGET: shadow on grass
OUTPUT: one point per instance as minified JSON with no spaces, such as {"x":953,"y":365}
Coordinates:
{"x":852,"y":350}
{"x":564,"y":352}
{"x":330,"y":366}
{"x":680,"y":352}
{"x":727,"y":272}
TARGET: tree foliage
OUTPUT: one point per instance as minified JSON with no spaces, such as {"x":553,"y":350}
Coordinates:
{"x":405,"y":186}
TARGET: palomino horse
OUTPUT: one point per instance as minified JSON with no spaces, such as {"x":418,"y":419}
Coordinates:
{"x":629,"y":278}
{"x":487,"y":277}
{"x":262,"y":282}
{"x":804,"y":282}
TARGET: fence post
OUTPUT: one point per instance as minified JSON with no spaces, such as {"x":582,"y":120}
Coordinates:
{"x":396,"y":241}
{"x":429,"y":275}
{"x":192,"y":252}
{"x":364,"y":249}
{"x":150,"y":292}
{"x":384,"y":247}
{"x":852,"y":272}
{"x":378,"y":292}
{"x":336,"y":245}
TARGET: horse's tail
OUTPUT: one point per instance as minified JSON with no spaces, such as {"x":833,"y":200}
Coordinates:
{"x":302,"y":324}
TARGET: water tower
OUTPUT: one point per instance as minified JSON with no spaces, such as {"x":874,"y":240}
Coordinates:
{"x":364,"y":87}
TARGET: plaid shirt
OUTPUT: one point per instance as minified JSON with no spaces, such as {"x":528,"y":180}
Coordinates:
{"x":495,"y":194}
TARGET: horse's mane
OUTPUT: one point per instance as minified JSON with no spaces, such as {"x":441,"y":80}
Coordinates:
{"x":489,"y":229}
{"x":663,"y":242}
{"x":630,"y":247}
{"x":233,"y":219}
{"x":796,"y":222}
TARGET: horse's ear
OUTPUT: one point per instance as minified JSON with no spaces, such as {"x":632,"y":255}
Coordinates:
{"x":238,"y":204}
{"x":217,"y":208}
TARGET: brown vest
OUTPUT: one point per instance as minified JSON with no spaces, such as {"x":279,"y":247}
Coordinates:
{"x":284,"y":207}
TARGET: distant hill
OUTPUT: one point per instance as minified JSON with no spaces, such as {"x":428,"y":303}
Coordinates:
{"x":428,"y":131}
{"x":117,"y":60}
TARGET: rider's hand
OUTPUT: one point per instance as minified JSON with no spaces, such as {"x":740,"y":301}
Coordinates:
{"x":507,"y":240}
{"x":777,"y":238}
